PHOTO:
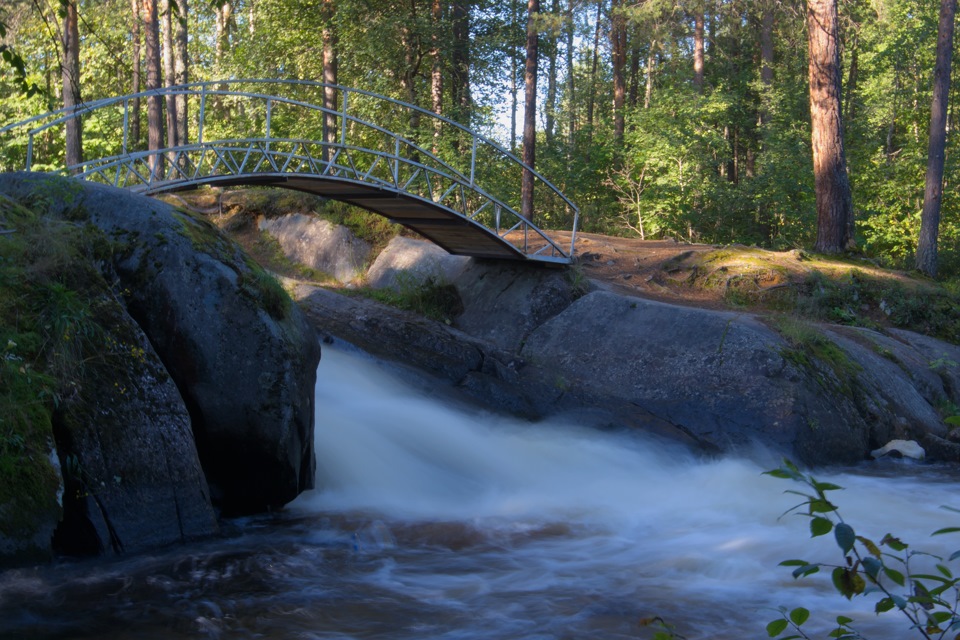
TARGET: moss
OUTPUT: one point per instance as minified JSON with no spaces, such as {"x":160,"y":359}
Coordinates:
{"x":809,"y":349}
{"x":254,"y":281}
{"x":432,"y":298}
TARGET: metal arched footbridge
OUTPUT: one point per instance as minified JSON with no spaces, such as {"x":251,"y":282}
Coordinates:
{"x":452,"y":185}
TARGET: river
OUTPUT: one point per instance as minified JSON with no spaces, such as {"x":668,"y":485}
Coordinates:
{"x":437,"y":520}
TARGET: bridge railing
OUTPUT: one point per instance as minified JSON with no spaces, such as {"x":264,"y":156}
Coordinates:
{"x":281,"y":127}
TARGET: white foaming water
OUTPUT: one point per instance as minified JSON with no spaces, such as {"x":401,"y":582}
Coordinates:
{"x":584,"y":530}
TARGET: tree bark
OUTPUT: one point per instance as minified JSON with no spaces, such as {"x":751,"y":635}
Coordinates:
{"x":552,"y":80}
{"x":571,"y":93}
{"x":168,"y":73}
{"x":182,"y":68}
{"x":933,"y":193}
{"x":832,"y":186}
{"x":634,"y":90}
{"x":330,"y":64}
{"x":698,"y":48}
{"x":436,"y":72}
{"x":460,"y":74}
{"x":529,"y":113}
{"x":651,"y":60}
{"x":151,"y":28}
{"x":593,"y":69}
{"x":618,"y":42}
{"x":70,"y":72}
{"x":135,"y":80}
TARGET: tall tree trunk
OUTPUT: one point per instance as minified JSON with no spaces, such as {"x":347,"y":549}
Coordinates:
{"x":182,"y":68}
{"x":529,"y":113}
{"x":168,"y":73}
{"x":933,"y":193}
{"x":460,"y":74}
{"x":151,"y":29}
{"x":70,"y":72}
{"x":553,"y":50}
{"x":329,"y":39}
{"x":698,"y":47}
{"x":411,"y":66}
{"x":651,"y":60}
{"x":634,"y":90}
{"x":135,"y":80}
{"x":436,"y":72}
{"x":593,"y":69}
{"x":832,"y":186}
{"x":618,"y":41}
{"x":514,"y":88}
{"x":766,"y":44}
{"x":571,"y":93}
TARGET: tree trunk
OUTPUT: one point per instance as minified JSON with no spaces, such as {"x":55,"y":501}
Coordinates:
{"x":651,"y":60}
{"x":168,"y":74}
{"x":571,"y":94}
{"x":834,"y":201}
{"x":933,"y":193}
{"x":436,"y":72}
{"x":182,"y":68}
{"x":618,"y":42}
{"x":593,"y":69}
{"x":766,"y":45}
{"x":151,"y":28}
{"x":70,"y":36}
{"x":529,"y":113}
{"x":135,"y":80}
{"x":514,"y":88}
{"x":698,"y":48}
{"x":460,"y":74}
{"x":634,"y":90}
{"x":552,"y":80}
{"x":329,"y":39}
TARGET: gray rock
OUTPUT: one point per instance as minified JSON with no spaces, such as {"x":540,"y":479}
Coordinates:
{"x":504,"y":302}
{"x":408,"y":261}
{"x":320,"y":244}
{"x":132,"y":475}
{"x":241,"y":354}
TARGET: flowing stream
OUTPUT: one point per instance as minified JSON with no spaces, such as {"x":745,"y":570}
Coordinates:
{"x":437,"y":520}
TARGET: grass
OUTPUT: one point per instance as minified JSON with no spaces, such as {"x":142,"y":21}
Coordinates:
{"x":431,"y":298}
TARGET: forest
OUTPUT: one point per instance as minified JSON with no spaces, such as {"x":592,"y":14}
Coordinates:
{"x":684,"y":119}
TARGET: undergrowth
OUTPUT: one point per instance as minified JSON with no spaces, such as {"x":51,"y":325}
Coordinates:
{"x":431,"y":298}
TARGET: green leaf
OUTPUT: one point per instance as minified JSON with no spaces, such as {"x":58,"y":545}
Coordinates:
{"x":844,"y":620}
{"x":870,"y":545}
{"x":873,"y":567}
{"x":799,"y":615}
{"x":806,"y":570}
{"x":954,"y":420}
{"x":780,"y":473}
{"x":945,"y":570}
{"x":820,"y":527}
{"x":821,"y":506}
{"x":884,"y":605}
{"x":954,"y":555}
{"x":845,"y":536}
{"x":894,"y":575}
{"x":848,"y":582}
{"x":893,"y":543}
{"x":825,"y":486}
{"x":777,"y":627}
{"x":945,"y":530}
{"x":797,"y":563}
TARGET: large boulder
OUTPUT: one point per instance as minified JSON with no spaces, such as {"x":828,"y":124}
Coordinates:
{"x":408,"y":262}
{"x":131,"y":473}
{"x":242,"y":356}
{"x":319,"y":244}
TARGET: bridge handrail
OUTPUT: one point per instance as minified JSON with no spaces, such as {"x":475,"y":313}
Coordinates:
{"x":232,"y":87}
{"x":99,"y":165}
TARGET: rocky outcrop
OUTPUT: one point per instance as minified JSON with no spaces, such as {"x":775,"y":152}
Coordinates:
{"x":717,"y":380}
{"x":409,"y":262}
{"x":218,"y":371}
{"x":131,"y":473}
{"x":319,"y":244}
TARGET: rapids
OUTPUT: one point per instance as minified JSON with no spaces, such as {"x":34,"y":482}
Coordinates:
{"x":434,"y":519}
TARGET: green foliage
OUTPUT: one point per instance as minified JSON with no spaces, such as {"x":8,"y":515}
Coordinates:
{"x":431,"y":297}
{"x":885,"y":570}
